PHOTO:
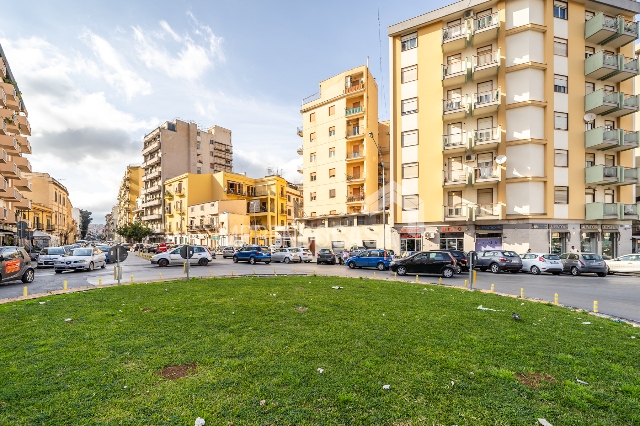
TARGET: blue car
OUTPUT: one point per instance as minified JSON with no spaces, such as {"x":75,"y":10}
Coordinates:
{"x":253,"y":254}
{"x":105,"y":250}
{"x":380,"y":259}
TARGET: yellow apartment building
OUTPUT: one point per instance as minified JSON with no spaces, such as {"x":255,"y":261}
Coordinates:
{"x":220,"y":223}
{"x":344,"y":153}
{"x":512,"y":126}
{"x":180,"y":192}
{"x":128,"y":193}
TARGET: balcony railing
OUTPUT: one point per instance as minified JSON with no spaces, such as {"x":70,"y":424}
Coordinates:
{"x":300,"y":150}
{"x":355,"y":155}
{"x":454,"y":32}
{"x":454,"y":105}
{"x":352,"y":111}
{"x":359,"y":176}
{"x":486,"y":59}
{"x":355,"y":131}
{"x":486,"y":173}
{"x":484,"y":99}
{"x":486,"y":22}
{"x":354,"y":88}
{"x":456,"y":140}
{"x":630,"y":210}
{"x":355,"y":198}
{"x":455,"y":176}
{"x":492,"y":134}
{"x":454,"y":68}
{"x":485,"y":210}
{"x":299,"y":131}
{"x":456,"y":211}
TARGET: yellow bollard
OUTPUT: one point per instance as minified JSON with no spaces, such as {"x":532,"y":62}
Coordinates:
{"x":210,"y":273}
{"x":416,"y":278}
{"x":254,"y":272}
{"x":25,"y":291}
{"x":184,"y":267}
{"x":115,"y":276}
{"x":294,"y":270}
{"x":274,"y":271}
{"x":521,"y":292}
{"x":64,"y":284}
{"x":131,"y":278}
{"x":466,"y":283}
{"x":395,"y":276}
{"x":99,"y":281}
{"x":491,"y":288}
{"x":555,"y":299}
{"x":374,"y":274}
{"x":595,"y":306}
{"x":161,"y":276}
{"x":440,"y":281}
{"x":474,"y":277}
{"x":232,"y":273}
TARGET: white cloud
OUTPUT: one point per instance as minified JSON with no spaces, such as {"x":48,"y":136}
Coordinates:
{"x":114,"y":68}
{"x":169,"y":30}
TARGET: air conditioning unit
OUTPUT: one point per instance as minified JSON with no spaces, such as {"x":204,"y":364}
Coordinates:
{"x":468,"y":14}
{"x":429,"y":234}
{"x":469,"y":158}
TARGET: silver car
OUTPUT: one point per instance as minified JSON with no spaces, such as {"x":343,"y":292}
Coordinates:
{"x":49,"y":255}
{"x":536,"y":263}
{"x":228,"y":252}
{"x":579,"y":263}
{"x":285,"y":255}
{"x":201,"y":256}
{"x":81,"y":259}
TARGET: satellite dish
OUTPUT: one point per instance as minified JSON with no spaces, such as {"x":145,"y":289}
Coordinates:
{"x":589,"y":117}
{"x":501,"y":159}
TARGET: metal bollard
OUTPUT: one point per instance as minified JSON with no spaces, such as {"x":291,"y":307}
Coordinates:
{"x":555,"y":299}
{"x":595,"y":306}
{"x":522,"y":292}
{"x":64,"y":284}
{"x":474,"y":277}
{"x":25,"y":291}
{"x":491,"y":288}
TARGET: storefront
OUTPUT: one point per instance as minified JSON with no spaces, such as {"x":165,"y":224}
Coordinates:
{"x":488,"y":237}
{"x":610,"y":238}
{"x":410,"y":239}
{"x":452,"y":237}
{"x":589,"y":238}
{"x":559,"y":237}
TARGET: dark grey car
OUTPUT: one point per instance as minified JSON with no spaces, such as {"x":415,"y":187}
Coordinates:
{"x":15,"y":264}
{"x":581,"y":263}
{"x":499,"y":260}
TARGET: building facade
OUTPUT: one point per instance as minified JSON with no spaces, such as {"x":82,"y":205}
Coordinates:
{"x":172,"y":149}
{"x":219,"y":223}
{"x":128,"y":193}
{"x":512,"y":126}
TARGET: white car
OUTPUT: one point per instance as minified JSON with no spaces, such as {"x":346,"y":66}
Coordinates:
{"x":627,"y":263}
{"x":536,"y":263}
{"x":285,"y":255}
{"x":305,"y":255}
{"x":81,"y":259}
{"x":201,"y":256}
{"x":49,"y":255}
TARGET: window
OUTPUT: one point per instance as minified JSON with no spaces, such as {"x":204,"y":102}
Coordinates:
{"x":197,"y":145}
{"x":561,"y":121}
{"x":608,"y":88}
{"x":588,"y":15}
{"x":332,"y":193}
{"x":410,"y":202}
{"x":610,"y":160}
{"x":210,"y":153}
{"x":332,"y":212}
{"x":312,"y":196}
{"x":312,"y":157}
{"x":332,"y":173}
{"x":312,"y":117}
{"x":560,"y":10}
{"x":409,"y":74}
{"x":562,"y":158}
{"x":312,"y":137}
{"x":211,"y":142}
{"x":410,"y":170}
{"x":559,"y":46}
{"x":609,"y":124}
{"x":332,"y":131}
{"x":332,"y":110}
{"x":589,"y":160}
{"x":409,"y":41}
{"x":332,"y":152}
{"x":560,"y":84}
{"x":409,"y":138}
{"x":410,"y":106}
{"x":588,"y":51}
{"x":561,"y":195}
{"x":312,"y":177}
{"x":589,"y":195}
{"x":609,"y":196}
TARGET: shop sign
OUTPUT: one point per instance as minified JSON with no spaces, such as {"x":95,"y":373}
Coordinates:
{"x":539,"y":226}
{"x":556,"y":226}
{"x":594,"y":227}
{"x":453,"y":229}
{"x":610,"y":227}
{"x":488,"y":227}
{"x":411,"y":230}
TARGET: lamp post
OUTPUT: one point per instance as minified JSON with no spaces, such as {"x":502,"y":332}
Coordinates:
{"x":384,"y":203}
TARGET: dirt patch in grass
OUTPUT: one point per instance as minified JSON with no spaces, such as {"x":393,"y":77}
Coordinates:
{"x":534,"y":380}
{"x":146,"y":310}
{"x":299,"y":288}
{"x":301,"y":309}
{"x":174,"y":372}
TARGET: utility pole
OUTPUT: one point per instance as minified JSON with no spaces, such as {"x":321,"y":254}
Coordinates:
{"x":384,"y":203}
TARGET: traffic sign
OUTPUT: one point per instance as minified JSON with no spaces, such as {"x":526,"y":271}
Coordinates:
{"x":122,"y":253}
{"x":183,"y":252}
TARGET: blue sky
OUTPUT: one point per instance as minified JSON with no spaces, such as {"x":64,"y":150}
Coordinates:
{"x":96,"y":76}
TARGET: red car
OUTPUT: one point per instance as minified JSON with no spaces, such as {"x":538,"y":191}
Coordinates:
{"x":162,"y":248}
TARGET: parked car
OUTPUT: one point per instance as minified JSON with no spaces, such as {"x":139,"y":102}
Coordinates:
{"x":581,"y":263}
{"x":462,"y":264}
{"x":326,"y":256}
{"x":33,"y":252}
{"x":305,"y":254}
{"x":624,"y":264}
{"x":138,"y":247}
{"x":201,"y":256}
{"x":105,"y":250}
{"x":49,"y":255}
{"x":355,"y":250}
{"x":370,"y":259}
{"x":536,"y":263}
{"x":285,"y":255}
{"x":499,"y":260}
{"x":81,"y":259}
{"x":15,"y":264}
{"x":252,"y":254}
{"x":427,"y":262}
{"x":228,"y":252}
{"x":162,"y":248}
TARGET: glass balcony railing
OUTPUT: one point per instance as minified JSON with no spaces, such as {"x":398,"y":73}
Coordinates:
{"x":458,"y":68}
{"x":456,"y":211}
{"x":488,"y":98}
{"x":352,"y":111}
{"x":486,"y":173}
{"x":456,"y":140}
{"x":486,"y":22}
{"x":454,"y":32}
{"x":492,"y":134}
{"x":486,"y":210}
{"x":452,"y":177}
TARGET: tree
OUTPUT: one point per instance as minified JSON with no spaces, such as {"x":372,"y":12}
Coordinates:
{"x":67,"y":233}
{"x":134,"y":232}
{"x":85,"y":220}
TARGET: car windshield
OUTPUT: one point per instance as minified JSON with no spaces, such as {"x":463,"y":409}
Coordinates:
{"x":591,"y":257}
{"x":324,"y":251}
{"x":510,"y":253}
{"x":104,"y":249}
{"x":53,"y":250}
{"x":551,"y":256}
{"x":82,"y":252}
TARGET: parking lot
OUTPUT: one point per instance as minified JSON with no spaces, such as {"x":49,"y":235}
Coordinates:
{"x":617,"y":295}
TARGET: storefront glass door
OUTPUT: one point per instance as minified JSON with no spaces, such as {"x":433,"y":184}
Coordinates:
{"x":609,"y":245}
{"x":588,"y":242}
{"x":558,"y":242}
{"x":452,"y":241}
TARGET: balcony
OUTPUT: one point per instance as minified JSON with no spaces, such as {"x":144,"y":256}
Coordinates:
{"x":3,"y":156}
{"x":457,"y":212}
{"x":153,"y":146}
{"x":613,"y":68}
{"x":23,"y":205}
{"x":10,"y":144}
{"x":9,"y":170}
{"x":155,"y":216}
{"x":3,"y":185}
{"x":353,"y":111}
{"x":455,"y":37}
{"x":3,"y":95}
{"x":604,"y":102}
{"x":151,"y":203}
{"x":300,"y":168}
{"x":453,"y":109}
{"x":22,"y":163}
{"x":355,"y":156}
{"x":456,"y":142}
{"x":354,"y":88}
{"x":487,"y":211}
{"x":300,"y":150}
{"x":25,"y":146}
{"x":455,"y":73}
{"x":23,"y":185}
{"x":299,"y":131}
{"x":151,"y":175}
{"x":12,"y":194}
{"x":485,"y":175}
{"x":23,"y":125}
{"x":355,"y":132}
{"x":486,"y":102}
{"x":630,"y":211}
{"x":456,"y":178}
{"x":151,"y":161}
{"x":355,"y":178}
{"x":485,"y":65}
{"x":486,"y":138}
{"x":152,"y":189}
{"x":485,"y":28}
{"x":599,"y":211}
{"x":601,"y":28}
{"x":50,"y":228}
{"x":355,"y":199}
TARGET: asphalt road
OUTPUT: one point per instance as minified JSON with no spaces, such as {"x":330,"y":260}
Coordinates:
{"x":616,"y":295}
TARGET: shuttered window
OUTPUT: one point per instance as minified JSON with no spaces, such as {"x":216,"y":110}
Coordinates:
{"x":332,"y":110}
{"x":410,"y":74}
{"x":410,"y":138}
{"x":559,"y":46}
{"x":561,"y":121}
{"x":561,"y":195}
{"x":410,"y":106}
{"x":410,"y":202}
{"x":560,"y":84}
{"x":409,"y":41}
{"x":410,"y":170}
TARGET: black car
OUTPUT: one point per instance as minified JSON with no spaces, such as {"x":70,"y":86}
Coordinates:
{"x":326,"y":256}
{"x":462,"y":263}
{"x":426,"y":262}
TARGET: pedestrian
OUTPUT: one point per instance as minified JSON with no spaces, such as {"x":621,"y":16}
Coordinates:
{"x":573,"y":250}
{"x":345,"y":256}
{"x":529,"y":251}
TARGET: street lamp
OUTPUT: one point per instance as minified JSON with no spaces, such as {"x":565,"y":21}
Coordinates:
{"x":384,"y":203}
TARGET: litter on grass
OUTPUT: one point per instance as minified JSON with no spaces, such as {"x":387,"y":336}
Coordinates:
{"x":633,"y":337}
{"x":42,"y":303}
{"x":482,"y":308}
{"x":200,"y":421}
{"x":543,"y":422}
{"x":68,"y":320}
{"x":335,"y":287}
{"x":320,"y":370}
{"x":263,"y":401}
{"x":586,"y":322}
{"x":386,"y":387}
{"x":272,"y":294}
{"x":581,"y":382}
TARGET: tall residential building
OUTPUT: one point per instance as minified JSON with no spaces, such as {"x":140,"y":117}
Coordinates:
{"x":172,"y":149}
{"x":128,"y":193}
{"x":344,"y":150}
{"x":512,"y":126}
{"x":14,"y":129}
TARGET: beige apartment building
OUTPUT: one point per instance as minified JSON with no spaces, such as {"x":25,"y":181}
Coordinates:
{"x":345,"y":151}
{"x":172,"y":149}
{"x":14,"y":129}
{"x":128,"y":193}
{"x":220,"y":223}
{"x":512,"y":126}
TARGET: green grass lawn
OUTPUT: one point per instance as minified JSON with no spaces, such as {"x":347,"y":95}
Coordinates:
{"x":246,"y":340}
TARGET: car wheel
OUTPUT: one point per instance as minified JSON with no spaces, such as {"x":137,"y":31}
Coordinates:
{"x":447,"y":272}
{"x":575,"y":271}
{"x":535,"y":270}
{"x":163,"y":262}
{"x":458,"y":269}
{"x":351,"y":265}
{"x":28,"y":276}
{"x":235,"y":259}
{"x":287,"y":260}
{"x":58,"y":272}
{"x":495,"y":268}
{"x":252,"y":260}
{"x":380,"y":266}
{"x":602,"y":274}
{"x":91,"y":266}
{"x":402,"y":270}
{"x":203,"y":262}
